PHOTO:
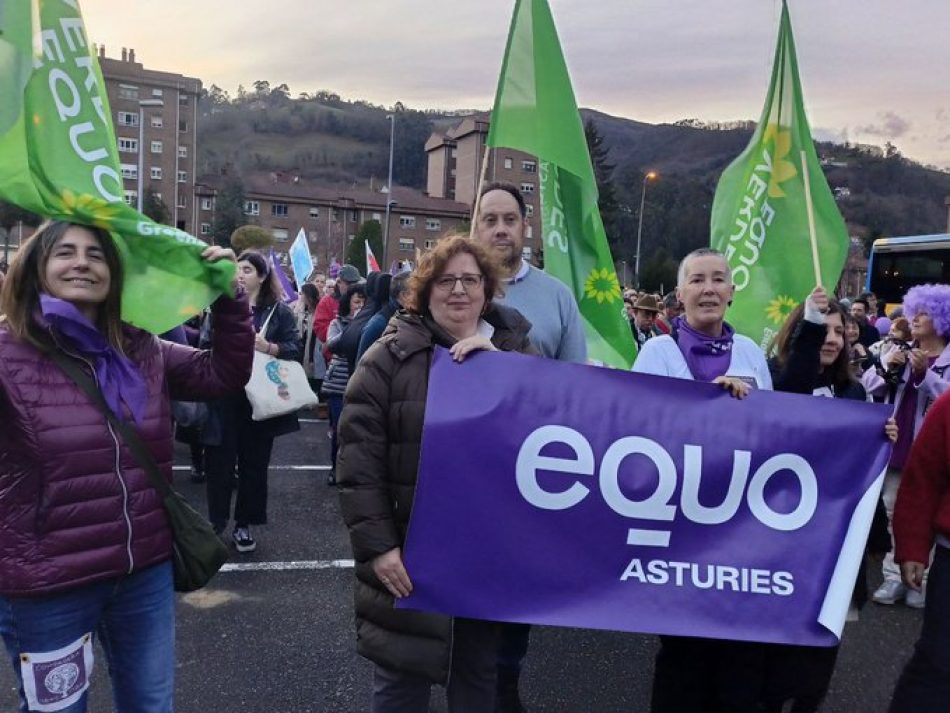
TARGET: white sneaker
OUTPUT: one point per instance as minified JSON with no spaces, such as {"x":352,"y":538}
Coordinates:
{"x":915,"y":599}
{"x":891,"y":592}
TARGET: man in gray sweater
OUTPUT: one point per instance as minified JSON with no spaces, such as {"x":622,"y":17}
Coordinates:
{"x":557,"y":331}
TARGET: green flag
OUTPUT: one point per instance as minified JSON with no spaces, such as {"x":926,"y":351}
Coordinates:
{"x":536,"y":112}
{"x":58,"y":158}
{"x":773,"y":215}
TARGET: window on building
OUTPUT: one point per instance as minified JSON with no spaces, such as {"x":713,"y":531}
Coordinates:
{"x":206,"y":228}
{"x":312,"y":237}
{"x":132,"y":198}
{"x":207,"y":204}
{"x":158,"y":196}
{"x":527,"y":188}
{"x":378,"y":217}
{"x":128,"y":145}
{"x":182,"y":98}
{"x":157,"y":122}
{"x":529,"y":166}
{"x":526,"y":253}
{"x":281,"y":235}
{"x":182,"y":126}
{"x":509,"y":163}
{"x":433,"y":224}
{"x":407,"y":244}
{"x":157,"y":93}
{"x":529,"y":212}
{"x":127,"y":91}
{"x":354,"y":216}
{"x":252,"y":208}
{"x":278,"y":209}
{"x":314,"y":212}
{"x":529,"y":232}
{"x":183,"y":176}
{"x":429,"y":244}
{"x":407,"y":221}
{"x":334,"y":214}
{"x":128,"y":118}
{"x":181,"y":201}
{"x":130,"y":170}
{"x":157,"y":147}
{"x":182,"y":152}
{"x":156,"y":173}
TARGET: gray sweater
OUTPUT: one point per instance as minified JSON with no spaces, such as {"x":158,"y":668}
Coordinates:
{"x":557,"y":330}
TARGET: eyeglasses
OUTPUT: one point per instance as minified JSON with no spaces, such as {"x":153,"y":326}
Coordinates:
{"x":469,"y":281}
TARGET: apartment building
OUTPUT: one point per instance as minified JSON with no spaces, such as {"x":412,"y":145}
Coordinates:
{"x":455,"y":159}
{"x":155,"y":115}
{"x":284,"y":203}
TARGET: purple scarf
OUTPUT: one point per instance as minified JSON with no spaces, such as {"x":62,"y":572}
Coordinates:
{"x":707,"y":357}
{"x":119,"y":379}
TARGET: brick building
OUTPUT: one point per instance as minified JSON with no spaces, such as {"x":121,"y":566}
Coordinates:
{"x":455,"y":158}
{"x":284,"y":203}
{"x":167,"y":104}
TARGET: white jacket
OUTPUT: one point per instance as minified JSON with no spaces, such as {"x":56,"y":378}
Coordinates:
{"x":662,"y":356}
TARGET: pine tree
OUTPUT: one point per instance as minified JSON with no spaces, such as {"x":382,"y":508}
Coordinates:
{"x":228,"y":211}
{"x":603,"y":172}
{"x":371,"y":230}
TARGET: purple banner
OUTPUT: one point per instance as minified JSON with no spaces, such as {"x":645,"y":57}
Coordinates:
{"x":564,"y":494}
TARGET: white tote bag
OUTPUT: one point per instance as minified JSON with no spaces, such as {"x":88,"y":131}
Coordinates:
{"x":277,"y":386}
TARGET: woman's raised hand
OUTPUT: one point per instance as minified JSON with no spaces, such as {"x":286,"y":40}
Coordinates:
{"x":817,"y":300}
{"x":213,"y":253}
{"x":736,"y":387}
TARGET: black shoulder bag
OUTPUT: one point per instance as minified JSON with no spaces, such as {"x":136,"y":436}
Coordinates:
{"x":197,"y":552}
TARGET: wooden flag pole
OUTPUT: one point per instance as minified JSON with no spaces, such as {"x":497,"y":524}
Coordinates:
{"x":478,"y":192}
{"x":811,"y":221}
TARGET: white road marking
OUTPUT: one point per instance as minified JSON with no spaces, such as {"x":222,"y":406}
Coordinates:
{"x":312,"y":420}
{"x":287,"y":566}
{"x":273,"y":467}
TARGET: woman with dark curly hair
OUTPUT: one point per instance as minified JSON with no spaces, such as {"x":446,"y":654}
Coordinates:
{"x":911,"y":376}
{"x":450,"y":305}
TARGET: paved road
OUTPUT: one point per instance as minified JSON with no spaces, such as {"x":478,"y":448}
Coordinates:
{"x":281,"y":640}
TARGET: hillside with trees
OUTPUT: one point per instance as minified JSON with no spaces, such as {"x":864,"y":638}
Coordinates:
{"x":324,"y":137}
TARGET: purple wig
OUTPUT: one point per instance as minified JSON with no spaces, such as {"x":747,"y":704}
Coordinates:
{"x":883,"y":325}
{"x":932,"y":299}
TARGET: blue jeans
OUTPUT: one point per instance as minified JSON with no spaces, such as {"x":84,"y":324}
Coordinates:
{"x":134,"y":619}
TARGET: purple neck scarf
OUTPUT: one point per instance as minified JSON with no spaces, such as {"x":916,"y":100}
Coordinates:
{"x":707,"y":357}
{"x":119,"y":379}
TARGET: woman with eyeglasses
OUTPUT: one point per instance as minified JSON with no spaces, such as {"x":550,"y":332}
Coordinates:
{"x":449,"y":300}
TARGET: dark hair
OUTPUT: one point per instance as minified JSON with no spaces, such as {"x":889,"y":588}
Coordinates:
{"x":398,"y":285}
{"x":861,"y":301}
{"x":840,"y":371}
{"x":508,"y":188}
{"x":271,"y":290}
{"x":347,"y":299}
{"x":310,"y":291}
{"x":26,"y":278}
{"x":432,"y":265}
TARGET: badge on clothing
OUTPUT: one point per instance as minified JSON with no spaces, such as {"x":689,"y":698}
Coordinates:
{"x":55,"y":680}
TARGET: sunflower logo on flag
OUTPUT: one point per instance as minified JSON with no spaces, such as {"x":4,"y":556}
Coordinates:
{"x":779,"y":308}
{"x":782,"y":169}
{"x":602,"y":285}
{"x":89,"y":209}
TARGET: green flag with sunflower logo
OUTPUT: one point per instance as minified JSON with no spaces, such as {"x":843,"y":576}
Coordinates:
{"x":536,"y":112}
{"x":774,"y":215}
{"x":58,"y":158}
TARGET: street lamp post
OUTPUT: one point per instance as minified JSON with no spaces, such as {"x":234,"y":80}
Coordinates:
{"x":143,"y":103}
{"x":389,"y":184}
{"x":651,"y":175}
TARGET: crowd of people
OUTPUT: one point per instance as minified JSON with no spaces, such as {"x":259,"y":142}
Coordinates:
{"x":87,"y":547}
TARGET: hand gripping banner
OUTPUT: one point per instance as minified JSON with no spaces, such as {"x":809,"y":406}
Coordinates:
{"x":563,"y":494}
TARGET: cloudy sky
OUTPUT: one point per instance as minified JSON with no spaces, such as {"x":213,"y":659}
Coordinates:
{"x":872,"y":70}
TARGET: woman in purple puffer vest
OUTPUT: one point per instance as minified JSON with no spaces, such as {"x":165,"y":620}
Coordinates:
{"x":86,"y":543}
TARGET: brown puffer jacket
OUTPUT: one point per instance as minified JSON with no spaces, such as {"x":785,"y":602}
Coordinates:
{"x":380,"y":434}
